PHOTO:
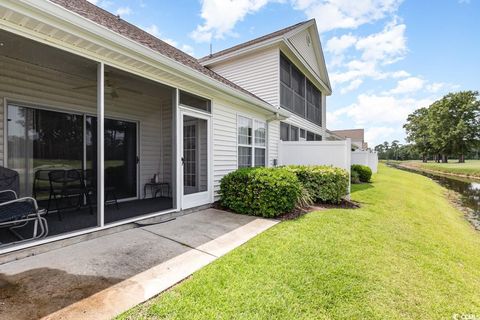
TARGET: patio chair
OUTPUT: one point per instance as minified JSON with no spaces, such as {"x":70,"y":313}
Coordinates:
{"x":66,"y":185}
{"x":91,"y":186}
{"x":41,"y":186}
{"x":17,"y":212}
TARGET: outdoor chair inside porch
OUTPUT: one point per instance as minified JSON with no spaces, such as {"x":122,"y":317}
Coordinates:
{"x":90,"y":179}
{"x":16,"y":213}
{"x":67,"y":190}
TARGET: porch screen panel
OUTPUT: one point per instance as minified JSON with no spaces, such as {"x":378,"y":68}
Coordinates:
{"x":40,"y":141}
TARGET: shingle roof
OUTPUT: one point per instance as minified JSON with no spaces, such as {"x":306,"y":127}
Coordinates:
{"x":126,"y":29}
{"x":350,"y":133}
{"x":253,"y":41}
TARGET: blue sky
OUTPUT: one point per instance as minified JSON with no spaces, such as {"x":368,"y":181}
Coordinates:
{"x":385,"y":57}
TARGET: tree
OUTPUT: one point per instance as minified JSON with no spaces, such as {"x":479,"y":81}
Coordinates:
{"x":449,"y":126}
{"x":417,"y":128}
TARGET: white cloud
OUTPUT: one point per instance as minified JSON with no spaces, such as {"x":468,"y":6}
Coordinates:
{"x":436,"y":86}
{"x":376,"y":135}
{"x":337,"y":45}
{"x":408,"y":85}
{"x":101,"y":3}
{"x":352,"y":86}
{"x":400,"y":74}
{"x":372,"y":51}
{"x":379,"y":110}
{"x":187,"y":49}
{"x":221,"y":16}
{"x":155,"y":31}
{"x":123,"y":11}
{"x":346,"y":14}
{"x":387,"y":46}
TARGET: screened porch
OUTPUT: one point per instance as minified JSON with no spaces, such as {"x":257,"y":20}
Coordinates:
{"x":51,"y":138}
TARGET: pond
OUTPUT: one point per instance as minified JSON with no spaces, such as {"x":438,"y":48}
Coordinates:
{"x":469,"y":190}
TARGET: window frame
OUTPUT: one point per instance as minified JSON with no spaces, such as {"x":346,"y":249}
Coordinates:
{"x":195,"y":96}
{"x":255,"y":124}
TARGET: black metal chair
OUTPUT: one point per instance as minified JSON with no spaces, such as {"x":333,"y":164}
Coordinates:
{"x":66,"y":185}
{"x":90,"y":180}
{"x":41,"y":186}
{"x":17,"y":212}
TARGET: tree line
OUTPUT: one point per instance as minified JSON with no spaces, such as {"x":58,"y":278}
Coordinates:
{"x":449,"y":127}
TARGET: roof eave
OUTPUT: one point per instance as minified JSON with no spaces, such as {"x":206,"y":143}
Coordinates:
{"x":101,"y":32}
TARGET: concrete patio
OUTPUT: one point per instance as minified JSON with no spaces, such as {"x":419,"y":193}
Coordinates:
{"x":102,"y":277}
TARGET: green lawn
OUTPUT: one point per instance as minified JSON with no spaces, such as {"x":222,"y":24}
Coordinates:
{"x":406,"y":254}
{"x":469,"y":168}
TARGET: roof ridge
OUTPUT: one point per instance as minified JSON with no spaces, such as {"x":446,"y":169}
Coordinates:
{"x":254,"y":40}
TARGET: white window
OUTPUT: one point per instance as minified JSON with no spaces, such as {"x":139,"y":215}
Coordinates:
{"x":252,"y":142}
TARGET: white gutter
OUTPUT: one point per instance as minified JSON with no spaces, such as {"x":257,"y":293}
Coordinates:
{"x":98,"y":32}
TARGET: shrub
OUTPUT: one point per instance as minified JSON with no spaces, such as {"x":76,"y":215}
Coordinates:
{"x":364,"y":172}
{"x":266,"y":192}
{"x":324,"y":183}
{"x":354,"y":177}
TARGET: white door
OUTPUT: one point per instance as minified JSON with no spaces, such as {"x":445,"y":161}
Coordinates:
{"x":195,"y":159}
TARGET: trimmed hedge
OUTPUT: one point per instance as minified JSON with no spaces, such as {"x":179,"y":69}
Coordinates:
{"x":324,"y":183}
{"x":269,"y":192}
{"x":364,"y":172}
{"x":266,"y":192}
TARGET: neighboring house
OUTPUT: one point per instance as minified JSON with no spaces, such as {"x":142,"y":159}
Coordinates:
{"x":356,"y":135}
{"x":154,"y":128}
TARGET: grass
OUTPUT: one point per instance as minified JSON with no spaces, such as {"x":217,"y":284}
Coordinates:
{"x":406,"y":254}
{"x":469,"y":168}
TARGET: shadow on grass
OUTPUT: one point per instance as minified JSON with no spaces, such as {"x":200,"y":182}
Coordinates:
{"x":361,"y":187}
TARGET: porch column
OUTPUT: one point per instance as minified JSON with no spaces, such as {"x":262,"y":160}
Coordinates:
{"x":178,"y":152}
{"x":100,"y":143}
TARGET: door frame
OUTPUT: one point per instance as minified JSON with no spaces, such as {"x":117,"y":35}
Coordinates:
{"x":199,"y":198}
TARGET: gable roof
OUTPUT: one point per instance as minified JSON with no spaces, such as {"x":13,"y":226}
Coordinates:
{"x":126,"y":29}
{"x":254,"y":41}
{"x":284,"y":35}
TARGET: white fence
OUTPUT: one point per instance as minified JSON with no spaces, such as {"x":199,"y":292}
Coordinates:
{"x":330,"y":153}
{"x":366,"y":158}
{"x":334,"y":153}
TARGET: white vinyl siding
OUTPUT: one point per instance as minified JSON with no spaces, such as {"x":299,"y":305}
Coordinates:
{"x":299,"y":41}
{"x":44,"y":87}
{"x":224,"y":117}
{"x":257,"y":73}
{"x":273,"y":136}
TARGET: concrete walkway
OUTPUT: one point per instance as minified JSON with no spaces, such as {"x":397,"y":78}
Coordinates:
{"x":100,"y":278}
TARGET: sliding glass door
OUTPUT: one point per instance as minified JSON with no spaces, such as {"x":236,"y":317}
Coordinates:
{"x":40,"y":141}
{"x":121,"y":159}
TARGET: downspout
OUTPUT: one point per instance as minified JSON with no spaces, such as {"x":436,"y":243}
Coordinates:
{"x":275,"y":117}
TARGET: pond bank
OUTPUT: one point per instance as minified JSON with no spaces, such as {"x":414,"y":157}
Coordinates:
{"x":463,"y":192}
{"x":470,"y":170}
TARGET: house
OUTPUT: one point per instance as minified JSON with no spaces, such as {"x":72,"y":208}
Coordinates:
{"x":106,"y":124}
{"x":356,"y":135}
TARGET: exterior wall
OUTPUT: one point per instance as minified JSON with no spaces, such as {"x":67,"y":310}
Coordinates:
{"x":32,"y":85}
{"x":258,"y":73}
{"x":224,"y":118}
{"x":273,"y":139}
{"x":306,"y":50}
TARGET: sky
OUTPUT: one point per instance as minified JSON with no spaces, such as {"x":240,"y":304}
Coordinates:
{"x":385,"y":58}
